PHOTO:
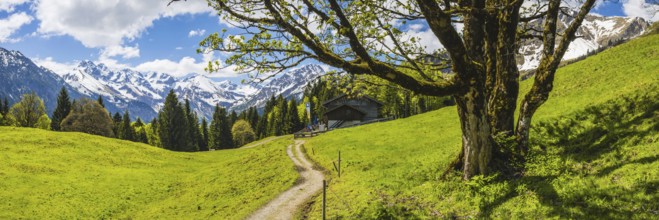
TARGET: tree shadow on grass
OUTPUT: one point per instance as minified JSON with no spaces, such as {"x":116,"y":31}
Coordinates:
{"x":601,"y":129}
{"x":581,"y":138}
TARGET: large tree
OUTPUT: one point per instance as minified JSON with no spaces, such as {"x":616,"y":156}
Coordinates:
{"x":90,"y":117}
{"x":242,"y":133}
{"x":29,"y":112}
{"x":62,"y":110}
{"x":370,"y":37}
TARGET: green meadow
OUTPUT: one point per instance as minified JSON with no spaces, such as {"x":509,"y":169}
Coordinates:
{"x":594,"y":155}
{"x":55,"y":175}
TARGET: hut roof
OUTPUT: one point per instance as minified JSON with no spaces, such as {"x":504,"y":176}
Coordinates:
{"x":344,"y":95}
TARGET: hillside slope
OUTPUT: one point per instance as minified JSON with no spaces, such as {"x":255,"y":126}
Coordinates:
{"x":51,"y":175}
{"x":595,"y":154}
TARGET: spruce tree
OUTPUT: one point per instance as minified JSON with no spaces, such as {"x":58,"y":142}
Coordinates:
{"x":220,"y":132}
{"x":193,"y":126}
{"x":100,"y":101}
{"x":127,"y":132}
{"x":281,"y":126}
{"x":140,"y":131}
{"x":62,"y":110}
{"x":4,"y":109}
{"x":225,"y":132}
{"x":173,"y":125}
{"x":262,"y":126}
{"x":233,"y":117}
{"x":214,"y":140}
{"x":203,"y":142}
{"x":116,"y":122}
{"x":253,"y":117}
{"x":292,"y":117}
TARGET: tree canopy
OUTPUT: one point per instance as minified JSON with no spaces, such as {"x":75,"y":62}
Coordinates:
{"x":90,"y":117}
{"x":29,"y":112}
{"x":371,"y":37}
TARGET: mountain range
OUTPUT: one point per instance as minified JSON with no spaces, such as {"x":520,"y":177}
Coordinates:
{"x":143,"y":93}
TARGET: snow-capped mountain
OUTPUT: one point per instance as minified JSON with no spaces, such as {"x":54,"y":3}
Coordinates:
{"x":141,"y":93}
{"x":144,"y":93}
{"x":20,"y":76}
{"x":595,"y":32}
{"x":289,"y":85}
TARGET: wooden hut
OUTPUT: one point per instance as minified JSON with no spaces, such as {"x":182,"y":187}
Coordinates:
{"x":343,"y":111}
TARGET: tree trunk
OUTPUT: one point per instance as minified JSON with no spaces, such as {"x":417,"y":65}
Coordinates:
{"x":539,"y":93}
{"x":476,"y":132}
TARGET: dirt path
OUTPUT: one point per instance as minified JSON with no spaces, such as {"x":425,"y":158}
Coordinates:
{"x":288,"y":202}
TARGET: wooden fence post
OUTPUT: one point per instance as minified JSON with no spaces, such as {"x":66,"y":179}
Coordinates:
{"x":339,"y":170}
{"x":324,"y":187}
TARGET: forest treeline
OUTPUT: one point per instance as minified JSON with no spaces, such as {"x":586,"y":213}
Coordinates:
{"x":177,"y":127}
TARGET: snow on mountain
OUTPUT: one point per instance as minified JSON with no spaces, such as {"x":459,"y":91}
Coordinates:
{"x":596,"y":31}
{"x":289,"y":85}
{"x":20,"y":76}
{"x":143,"y":94}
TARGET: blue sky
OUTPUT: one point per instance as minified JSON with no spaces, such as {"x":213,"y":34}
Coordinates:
{"x":145,"y":35}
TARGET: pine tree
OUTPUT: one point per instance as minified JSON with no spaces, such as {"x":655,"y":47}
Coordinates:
{"x":292,"y":117}
{"x":100,"y":101}
{"x":220,"y":132}
{"x":214,"y":141}
{"x":253,"y":117}
{"x":140,"y":131}
{"x":225,"y":132}
{"x":262,"y":126}
{"x":152,"y":133}
{"x":282,"y":125}
{"x":193,"y":126}
{"x":203,"y":143}
{"x":116,"y":123}
{"x":62,"y":110}
{"x":173,"y":125}
{"x":5,"y":107}
{"x":126,"y":130}
{"x":233,"y":117}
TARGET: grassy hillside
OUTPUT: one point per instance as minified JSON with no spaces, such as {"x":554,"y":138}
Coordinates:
{"x":594,"y":154}
{"x":49,"y":175}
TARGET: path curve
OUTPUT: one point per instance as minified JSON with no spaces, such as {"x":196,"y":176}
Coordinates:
{"x":288,"y":202}
{"x":262,"y":142}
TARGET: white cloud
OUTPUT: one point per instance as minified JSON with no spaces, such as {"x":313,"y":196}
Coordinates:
{"x":10,"y":25}
{"x":9,"y":5}
{"x":59,"y":68}
{"x":639,"y":8}
{"x":179,"y":48}
{"x":103,"y":23}
{"x":112,"y":63}
{"x":185,"y":66}
{"x":125,"y":52}
{"x":198,"y":32}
